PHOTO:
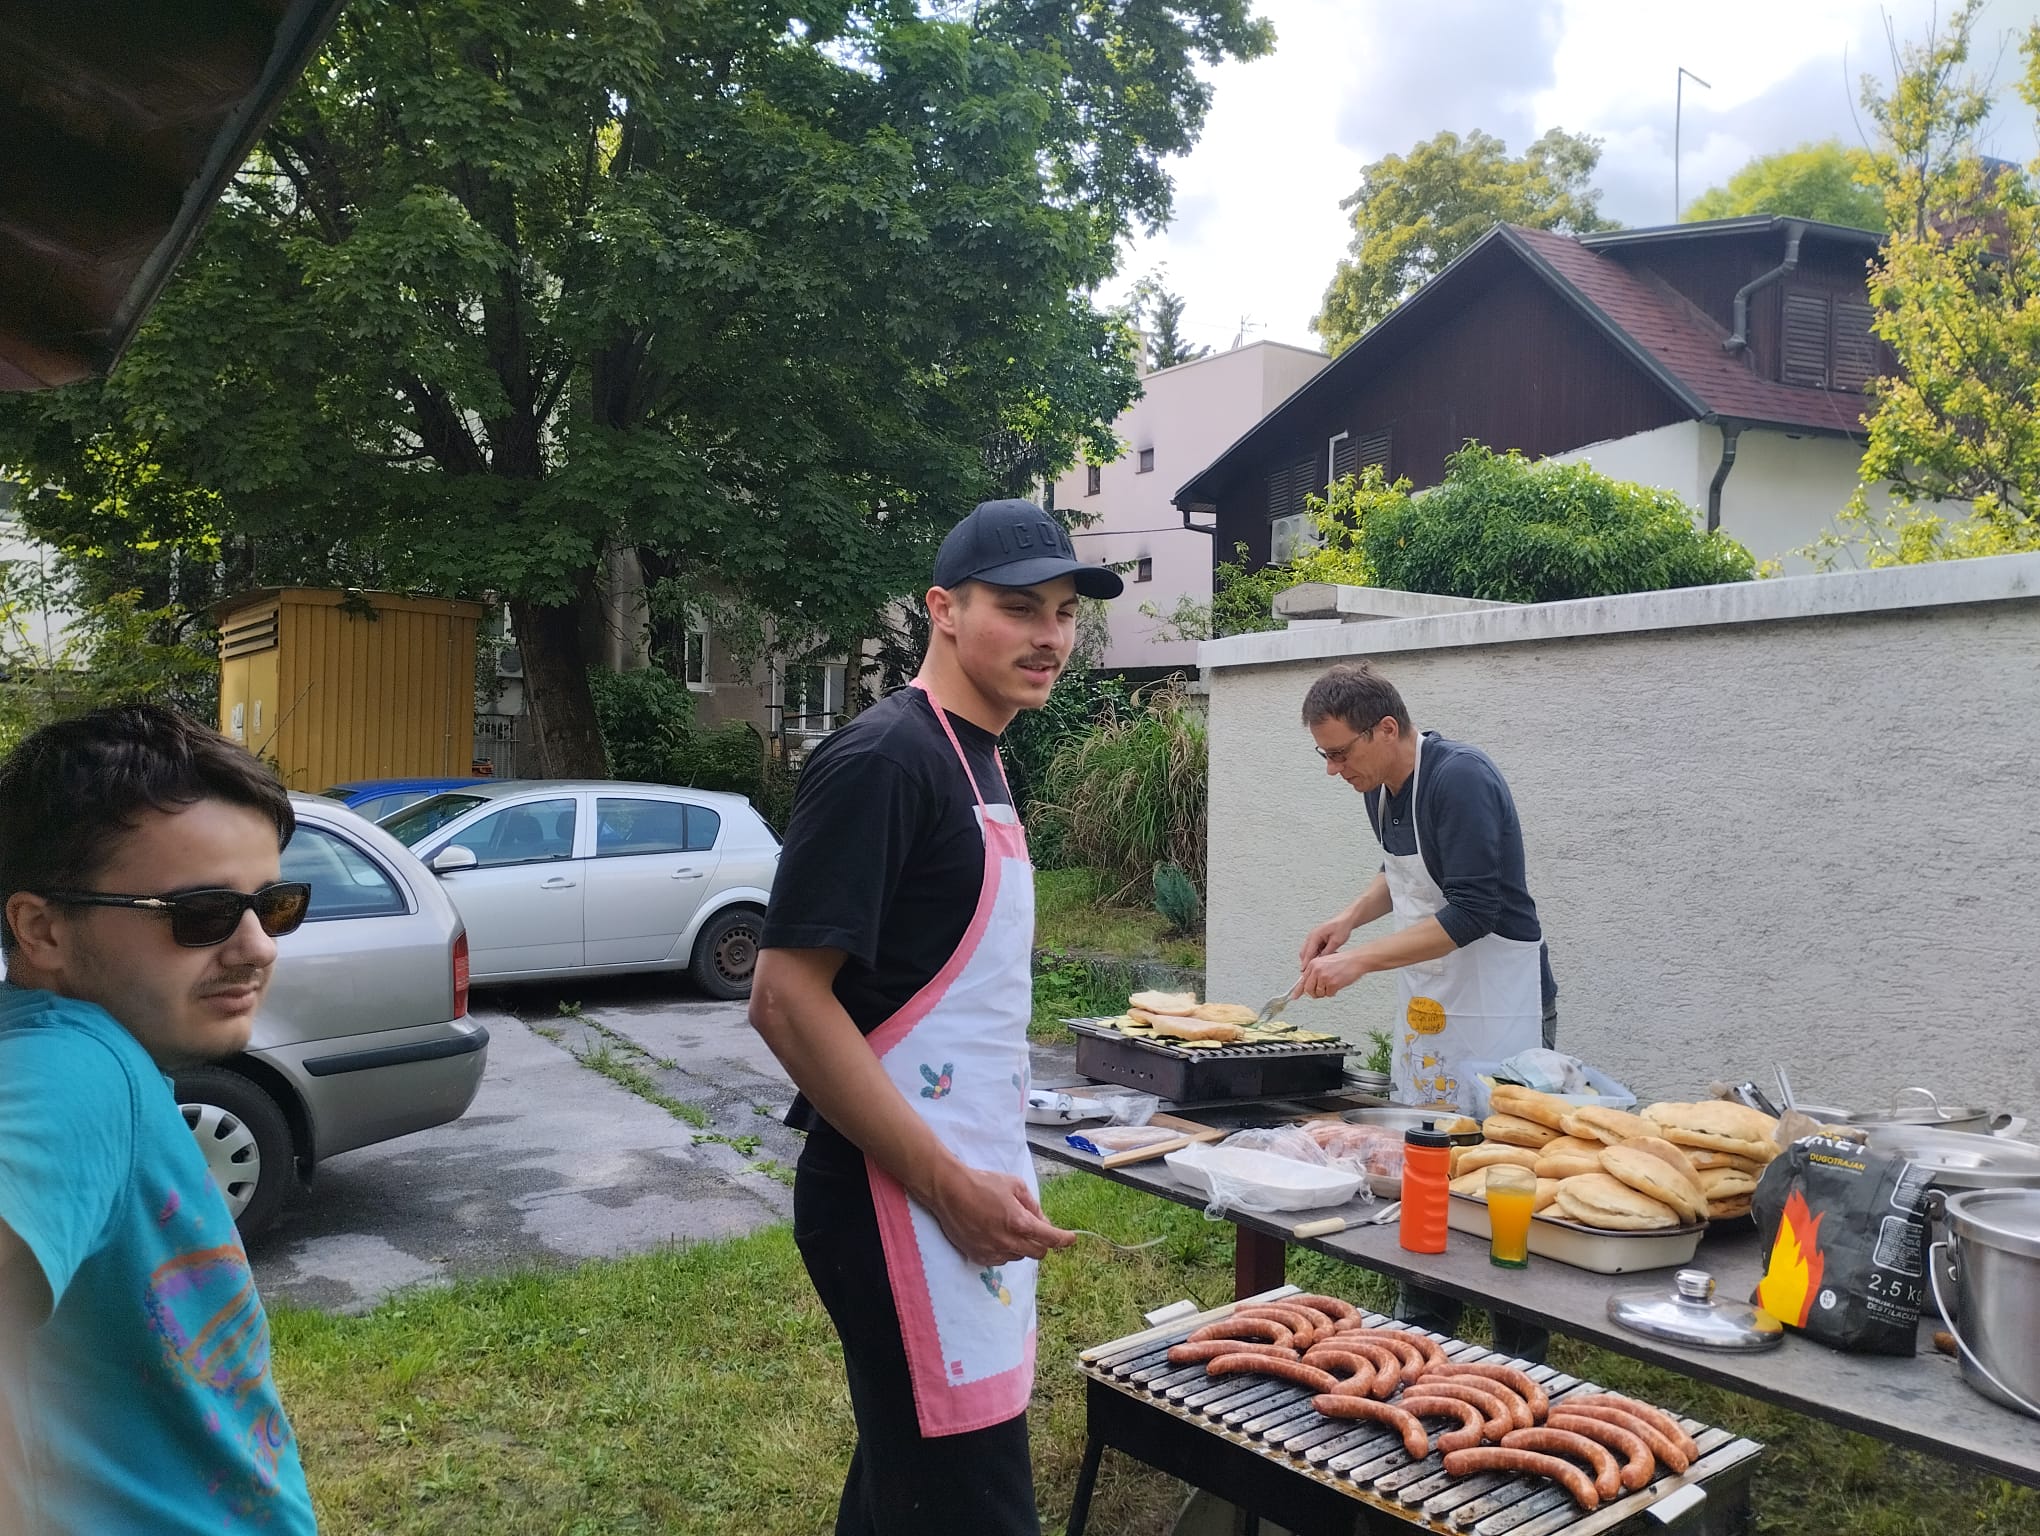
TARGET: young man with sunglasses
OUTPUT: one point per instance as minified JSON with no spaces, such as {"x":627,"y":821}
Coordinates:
{"x":139,"y":863}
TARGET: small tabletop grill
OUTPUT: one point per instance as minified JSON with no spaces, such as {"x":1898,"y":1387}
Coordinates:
{"x":1207,"y":1074}
{"x":1258,"y":1443}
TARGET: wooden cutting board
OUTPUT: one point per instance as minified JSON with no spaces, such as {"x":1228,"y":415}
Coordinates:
{"x":1190,"y":1130}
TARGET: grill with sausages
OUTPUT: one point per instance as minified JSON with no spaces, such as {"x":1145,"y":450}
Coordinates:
{"x":1278,"y":1445}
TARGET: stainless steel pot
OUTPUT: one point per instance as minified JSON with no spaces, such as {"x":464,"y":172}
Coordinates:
{"x":1958,"y":1160}
{"x":1993,"y":1249}
{"x":1933,"y":1112}
{"x":1400,"y":1117}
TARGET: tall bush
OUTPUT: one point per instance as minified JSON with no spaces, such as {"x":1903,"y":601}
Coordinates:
{"x":1131,"y":793}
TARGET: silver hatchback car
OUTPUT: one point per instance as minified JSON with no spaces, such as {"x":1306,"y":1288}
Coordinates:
{"x":364,"y":1035}
{"x":560,"y":877}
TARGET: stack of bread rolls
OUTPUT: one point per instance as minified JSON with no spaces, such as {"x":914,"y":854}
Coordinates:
{"x":1670,"y":1166}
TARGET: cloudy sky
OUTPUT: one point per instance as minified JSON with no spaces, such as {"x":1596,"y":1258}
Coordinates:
{"x":1258,"y":228}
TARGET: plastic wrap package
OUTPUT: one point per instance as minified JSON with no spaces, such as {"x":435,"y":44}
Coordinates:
{"x":1121,"y":1138}
{"x":1245,"y":1172}
{"x":1375,"y":1150}
{"x":1047,"y":1107}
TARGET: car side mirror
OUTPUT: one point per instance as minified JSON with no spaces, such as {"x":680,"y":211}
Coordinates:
{"x":453,"y":856}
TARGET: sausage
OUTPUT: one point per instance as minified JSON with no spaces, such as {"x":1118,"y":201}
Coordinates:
{"x":1431,"y":1350}
{"x":1359,"y":1377}
{"x":1268,"y":1365}
{"x":1302,"y":1330}
{"x":1264,"y":1328}
{"x":1639,"y":1463}
{"x":1387,"y":1364}
{"x":1657,"y":1418}
{"x":1289,"y":1316}
{"x":1344,"y":1405}
{"x":1516,"y":1410}
{"x":1412,"y":1358}
{"x":1502,"y":1458}
{"x":1338,"y":1311}
{"x":1563,"y":1442}
{"x":1515,"y":1380}
{"x":1211,"y":1349}
{"x":1666,"y":1451}
{"x":1500,"y":1420}
{"x":1471,"y":1420}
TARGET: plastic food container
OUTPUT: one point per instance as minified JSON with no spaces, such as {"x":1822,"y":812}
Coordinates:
{"x":1267,"y":1182}
{"x":1603,"y":1252}
{"x":1607,"y":1093}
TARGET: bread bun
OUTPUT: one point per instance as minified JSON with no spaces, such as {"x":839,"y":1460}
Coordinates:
{"x":1671,"y":1152}
{"x":1490,"y":1153}
{"x":1163,"y":1002}
{"x":1718,"y":1125}
{"x":1728,"y":1210}
{"x":1653,"y":1176}
{"x":1224,"y":1013}
{"x":1529,"y":1104}
{"x":1457,"y":1125}
{"x":1176,"y":1027}
{"x":1474,"y":1184}
{"x":1514,"y":1131}
{"x":1602,"y":1200}
{"x":1547,"y":1191}
{"x":1568,"y":1157}
{"x":1593,"y":1122}
{"x":1704,"y":1158}
{"x":1726,"y":1183}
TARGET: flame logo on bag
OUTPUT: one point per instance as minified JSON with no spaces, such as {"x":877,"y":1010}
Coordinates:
{"x":1792,"y":1279}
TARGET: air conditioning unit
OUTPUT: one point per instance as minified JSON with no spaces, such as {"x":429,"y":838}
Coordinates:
{"x":509,"y":662}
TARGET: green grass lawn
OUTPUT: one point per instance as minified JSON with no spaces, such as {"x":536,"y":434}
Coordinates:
{"x":1073,"y":913}
{"x":698,"y":1391}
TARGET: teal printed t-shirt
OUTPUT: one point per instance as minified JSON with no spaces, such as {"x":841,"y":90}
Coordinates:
{"x":144,"y":1403}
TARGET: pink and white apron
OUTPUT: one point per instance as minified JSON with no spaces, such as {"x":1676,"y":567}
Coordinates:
{"x":957,"y":1052}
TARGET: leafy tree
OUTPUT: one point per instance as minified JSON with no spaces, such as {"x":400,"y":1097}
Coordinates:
{"x":1826,"y":181}
{"x":1414,"y":213}
{"x":763,"y":293}
{"x":1957,"y":291}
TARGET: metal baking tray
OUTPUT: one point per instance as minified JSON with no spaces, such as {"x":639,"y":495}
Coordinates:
{"x":1603,"y":1252}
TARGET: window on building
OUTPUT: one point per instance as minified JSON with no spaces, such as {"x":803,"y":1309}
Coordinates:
{"x":1348,"y":454}
{"x":696,"y":668}
{"x":1147,"y":461}
{"x":1826,"y":342}
{"x":1094,"y":479}
{"x":811,"y":698}
{"x":1144,"y":569}
{"x":1290,"y":528}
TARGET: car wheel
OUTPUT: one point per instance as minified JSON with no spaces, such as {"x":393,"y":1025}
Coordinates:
{"x":245,"y":1141}
{"x":726,"y":953}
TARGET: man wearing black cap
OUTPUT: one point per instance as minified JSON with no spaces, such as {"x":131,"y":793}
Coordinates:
{"x":895,"y":989}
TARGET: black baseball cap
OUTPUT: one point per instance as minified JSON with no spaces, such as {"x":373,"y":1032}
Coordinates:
{"x":1016,"y":544}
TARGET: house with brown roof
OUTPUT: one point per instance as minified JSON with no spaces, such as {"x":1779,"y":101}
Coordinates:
{"x":1725,"y":361}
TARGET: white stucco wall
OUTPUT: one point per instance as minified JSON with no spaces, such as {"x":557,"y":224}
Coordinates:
{"x":1187,"y":414}
{"x":1782,"y":494}
{"x":1785,"y":821}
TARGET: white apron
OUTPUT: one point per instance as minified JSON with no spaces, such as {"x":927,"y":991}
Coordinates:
{"x":957,"y":1052}
{"x":1481,"y":1002}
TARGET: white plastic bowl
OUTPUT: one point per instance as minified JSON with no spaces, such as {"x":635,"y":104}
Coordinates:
{"x":1263,"y":1181}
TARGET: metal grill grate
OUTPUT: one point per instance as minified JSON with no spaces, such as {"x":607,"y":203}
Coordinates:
{"x":1367,"y":1461}
{"x":1258,"y":1051}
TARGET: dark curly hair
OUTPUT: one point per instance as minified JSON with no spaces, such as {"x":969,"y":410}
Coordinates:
{"x":72,"y":789}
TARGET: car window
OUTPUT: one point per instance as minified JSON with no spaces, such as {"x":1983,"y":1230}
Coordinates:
{"x":639,"y":826}
{"x":375,"y":807}
{"x":414,"y":824}
{"x":702,"y":827}
{"x":345,"y":882}
{"x":521,"y":834}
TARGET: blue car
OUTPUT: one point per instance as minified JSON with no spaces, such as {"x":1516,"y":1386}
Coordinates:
{"x":377,"y":798}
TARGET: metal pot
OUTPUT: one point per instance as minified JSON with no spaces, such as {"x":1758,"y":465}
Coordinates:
{"x":1994,"y":1254}
{"x":1932,"y":1113}
{"x":1957,"y":1160}
{"x":1400,"y":1117}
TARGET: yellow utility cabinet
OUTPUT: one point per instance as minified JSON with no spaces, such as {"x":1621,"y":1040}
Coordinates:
{"x":336,"y":686}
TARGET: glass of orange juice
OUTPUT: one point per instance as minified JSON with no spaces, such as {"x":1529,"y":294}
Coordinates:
{"x":1511,"y":1197}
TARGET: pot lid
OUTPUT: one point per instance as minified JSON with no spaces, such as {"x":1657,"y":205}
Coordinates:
{"x":1959,"y":1159}
{"x":1687,"y":1313}
{"x":2008,"y":1219}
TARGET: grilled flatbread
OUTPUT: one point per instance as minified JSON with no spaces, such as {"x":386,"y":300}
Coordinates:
{"x":1163,"y":1002}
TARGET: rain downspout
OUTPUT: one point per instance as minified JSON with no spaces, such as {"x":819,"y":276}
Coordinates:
{"x":1731,"y":437}
{"x":1739,"y":340}
{"x":1209,"y":530}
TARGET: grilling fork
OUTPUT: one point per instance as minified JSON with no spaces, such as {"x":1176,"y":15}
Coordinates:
{"x":1272,"y":1009}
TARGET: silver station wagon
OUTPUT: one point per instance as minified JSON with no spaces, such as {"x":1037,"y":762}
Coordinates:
{"x":562,"y":877}
{"x":364,"y":1034}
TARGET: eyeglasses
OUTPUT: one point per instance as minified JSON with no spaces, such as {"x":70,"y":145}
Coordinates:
{"x":201,"y":919}
{"x":1337,"y":755}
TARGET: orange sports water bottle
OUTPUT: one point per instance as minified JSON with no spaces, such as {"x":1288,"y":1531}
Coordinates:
{"x":1426,"y":1182}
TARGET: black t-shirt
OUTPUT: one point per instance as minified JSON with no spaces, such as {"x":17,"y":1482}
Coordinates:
{"x":884,"y":858}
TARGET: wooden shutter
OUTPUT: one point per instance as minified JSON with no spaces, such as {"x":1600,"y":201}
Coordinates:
{"x":1855,"y":347}
{"x":1803,"y":357}
{"x":1371,"y":449}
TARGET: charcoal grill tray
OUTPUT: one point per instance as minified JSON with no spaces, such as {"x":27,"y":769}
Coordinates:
{"x":1176,"y":1408}
{"x":1213,"y":1075}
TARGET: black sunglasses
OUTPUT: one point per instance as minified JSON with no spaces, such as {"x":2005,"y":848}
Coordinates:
{"x":201,"y":919}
